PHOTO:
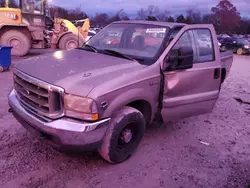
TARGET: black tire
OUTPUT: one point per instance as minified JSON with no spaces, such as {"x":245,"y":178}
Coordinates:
{"x":20,"y":42}
{"x":70,"y":41}
{"x":116,"y":150}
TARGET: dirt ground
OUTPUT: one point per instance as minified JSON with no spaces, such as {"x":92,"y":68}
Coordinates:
{"x":170,"y":156}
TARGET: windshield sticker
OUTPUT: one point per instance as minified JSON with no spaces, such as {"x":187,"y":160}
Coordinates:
{"x":156,"y":30}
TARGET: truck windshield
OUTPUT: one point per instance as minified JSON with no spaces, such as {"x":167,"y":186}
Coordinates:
{"x":139,"y":41}
{"x":33,"y":6}
{"x":12,"y":3}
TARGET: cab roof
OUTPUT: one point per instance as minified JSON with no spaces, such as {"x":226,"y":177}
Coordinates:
{"x":157,"y":23}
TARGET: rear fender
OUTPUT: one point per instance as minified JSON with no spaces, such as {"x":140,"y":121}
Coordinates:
{"x":2,"y":26}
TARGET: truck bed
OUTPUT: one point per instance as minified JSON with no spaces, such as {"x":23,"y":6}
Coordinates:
{"x":226,"y":61}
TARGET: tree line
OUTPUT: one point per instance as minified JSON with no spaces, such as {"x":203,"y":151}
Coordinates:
{"x":224,"y":16}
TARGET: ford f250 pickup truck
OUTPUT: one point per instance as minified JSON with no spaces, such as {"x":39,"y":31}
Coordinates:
{"x":103,"y":94}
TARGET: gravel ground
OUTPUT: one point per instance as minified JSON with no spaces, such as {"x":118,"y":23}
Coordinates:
{"x":169,"y":156}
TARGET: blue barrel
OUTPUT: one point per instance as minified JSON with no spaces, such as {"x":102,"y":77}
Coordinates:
{"x":5,"y":57}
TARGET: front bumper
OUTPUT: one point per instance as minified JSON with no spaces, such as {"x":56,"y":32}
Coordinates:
{"x":64,"y":133}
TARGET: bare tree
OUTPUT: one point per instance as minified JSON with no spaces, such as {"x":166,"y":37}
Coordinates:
{"x":76,"y":14}
{"x":72,"y":14}
{"x":123,"y":15}
{"x":163,"y":16}
{"x":171,"y":19}
{"x":100,"y":20}
{"x":120,"y":15}
{"x":181,"y":19}
{"x":152,"y":13}
{"x":141,"y":14}
{"x":194,"y":16}
{"x":244,"y":26}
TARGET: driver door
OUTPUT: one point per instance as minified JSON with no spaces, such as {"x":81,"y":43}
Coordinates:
{"x":192,"y":91}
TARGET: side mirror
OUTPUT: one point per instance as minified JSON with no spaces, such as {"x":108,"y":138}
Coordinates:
{"x":179,"y":59}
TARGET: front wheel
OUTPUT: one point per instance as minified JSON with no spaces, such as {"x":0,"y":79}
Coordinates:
{"x":70,"y":41}
{"x":123,"y":135}
{"x":223,"y":48}
{"x":1,"y":69}
{"x":20,"y":42}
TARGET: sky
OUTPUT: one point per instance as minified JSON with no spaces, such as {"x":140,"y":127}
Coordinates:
{"x":132,"y":6}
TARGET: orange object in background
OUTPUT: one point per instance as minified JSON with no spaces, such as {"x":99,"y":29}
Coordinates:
{"x":26,"y":27}
{"x":10,"y":16}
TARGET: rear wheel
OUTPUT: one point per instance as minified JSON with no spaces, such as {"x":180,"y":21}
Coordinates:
{"x":240,"y":51}
{"x":1,"y":69}
{"x":123,"y":135}
{"x":20,"y":42}
{"x":70,"y":41}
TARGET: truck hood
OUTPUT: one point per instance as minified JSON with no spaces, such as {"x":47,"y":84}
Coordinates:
{"x":77,"y":71}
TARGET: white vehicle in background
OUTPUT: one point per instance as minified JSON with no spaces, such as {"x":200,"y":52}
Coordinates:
{"x":224,"y":35}
{"x":91,"y":33}
{"x":96,"y":29}
{"x":205,"y":42}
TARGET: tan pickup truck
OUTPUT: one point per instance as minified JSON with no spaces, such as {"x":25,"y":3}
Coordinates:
{"x":102,"y":95}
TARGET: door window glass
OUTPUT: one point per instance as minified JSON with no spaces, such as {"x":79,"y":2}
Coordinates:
{"x":200,"y":41}
{"x":205,"y":47}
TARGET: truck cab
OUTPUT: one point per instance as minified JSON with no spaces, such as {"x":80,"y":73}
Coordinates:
{"x":130,"y":74}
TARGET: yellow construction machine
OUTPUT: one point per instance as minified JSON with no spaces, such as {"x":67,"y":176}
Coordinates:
{"x":23,"y":25}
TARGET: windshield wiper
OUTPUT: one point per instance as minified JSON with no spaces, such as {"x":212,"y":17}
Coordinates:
{"x":113,"y":52}
{"x":92,"y":48}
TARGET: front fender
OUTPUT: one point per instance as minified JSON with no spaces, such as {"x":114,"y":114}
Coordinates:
{"x":2,"y":25}
{"x":59,"y":38}
{"x":127,"y":97}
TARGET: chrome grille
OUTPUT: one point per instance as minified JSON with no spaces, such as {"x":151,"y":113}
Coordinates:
{"x":38,"y":97}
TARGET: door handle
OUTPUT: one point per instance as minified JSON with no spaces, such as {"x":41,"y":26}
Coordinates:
{"x":217,"y":73}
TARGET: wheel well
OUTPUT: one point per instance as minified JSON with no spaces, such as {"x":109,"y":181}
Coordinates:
{"x":223,"y":75}
{"x":22,"y":29}
{"x":144,"y":107}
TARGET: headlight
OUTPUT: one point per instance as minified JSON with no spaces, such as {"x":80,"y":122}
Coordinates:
{"x":80,"y":107}
{"x":247,"y":46}
{"x":219,"y":44}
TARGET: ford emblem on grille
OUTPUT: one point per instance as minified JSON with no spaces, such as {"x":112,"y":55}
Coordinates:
{"x":27,"y":92}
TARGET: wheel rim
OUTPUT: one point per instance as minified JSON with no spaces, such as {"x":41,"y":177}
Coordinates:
{"x":240,"y":51}
{"x":127,"y":136}
{"x":71,"y":45}
{"x":15,"y":43}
